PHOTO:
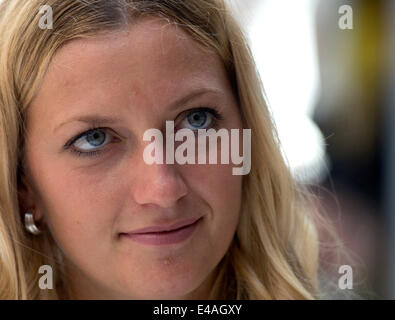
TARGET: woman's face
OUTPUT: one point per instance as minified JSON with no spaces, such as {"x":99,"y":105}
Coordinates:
{"x":124,"y":84}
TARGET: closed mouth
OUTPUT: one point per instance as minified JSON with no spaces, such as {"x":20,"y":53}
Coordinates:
{"x":165,"y":237}
{"x":164,"y":229}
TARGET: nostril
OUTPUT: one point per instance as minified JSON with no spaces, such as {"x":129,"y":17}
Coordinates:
{"x":161,"y":187}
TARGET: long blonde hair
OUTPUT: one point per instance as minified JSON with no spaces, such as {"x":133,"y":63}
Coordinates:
{"x":274,"y":254}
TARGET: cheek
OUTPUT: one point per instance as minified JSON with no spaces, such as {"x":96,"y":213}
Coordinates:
{"x":221,"y":190}
{"x":78,"y":208}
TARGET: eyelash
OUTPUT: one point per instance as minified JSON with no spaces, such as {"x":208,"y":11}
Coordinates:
{"x":68,"y":146}
{"x":212,"y":110}
{"x":86,"y":154}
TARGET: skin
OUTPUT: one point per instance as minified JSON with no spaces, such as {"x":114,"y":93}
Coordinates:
{"x":135,"y":75}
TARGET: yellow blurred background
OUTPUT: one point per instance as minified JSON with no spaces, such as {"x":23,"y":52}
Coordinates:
{"x":329,"y":77}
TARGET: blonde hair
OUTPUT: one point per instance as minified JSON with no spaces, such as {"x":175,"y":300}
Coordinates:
{"x":274,"y":254}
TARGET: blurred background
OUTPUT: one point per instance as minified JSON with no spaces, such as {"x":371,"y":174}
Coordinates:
{"x":328,"y":69}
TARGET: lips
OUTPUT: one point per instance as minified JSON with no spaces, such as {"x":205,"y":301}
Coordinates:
{"x":172,"y":227}
{"x":170,"y":235}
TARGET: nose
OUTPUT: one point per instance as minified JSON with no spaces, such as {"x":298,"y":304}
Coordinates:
{"x":159,"y":184}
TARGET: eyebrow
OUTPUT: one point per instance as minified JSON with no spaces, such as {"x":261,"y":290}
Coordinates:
{"x":97,"y":119}
{"x":90,"y":118}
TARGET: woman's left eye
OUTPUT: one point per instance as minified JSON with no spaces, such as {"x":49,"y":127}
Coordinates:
{"x":202,"y":118}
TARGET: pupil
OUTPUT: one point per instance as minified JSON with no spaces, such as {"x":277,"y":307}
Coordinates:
{"x":197,"y":118}
{"x":96,"y":135}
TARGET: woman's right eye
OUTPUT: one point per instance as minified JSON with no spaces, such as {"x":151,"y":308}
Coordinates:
{"x":90,"y":142}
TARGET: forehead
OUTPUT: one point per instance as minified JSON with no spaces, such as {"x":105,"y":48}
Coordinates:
{"x":148,"y":43}
{"x":151,"y":60}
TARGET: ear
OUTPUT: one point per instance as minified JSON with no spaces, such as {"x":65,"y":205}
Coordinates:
{"x":28,"y":201}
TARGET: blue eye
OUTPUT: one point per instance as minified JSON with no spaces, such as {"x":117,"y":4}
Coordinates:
{"x":94,"y":138}
{"x":201,"y":118}
{"x":198,"y":119}
{"x":88,"y":142}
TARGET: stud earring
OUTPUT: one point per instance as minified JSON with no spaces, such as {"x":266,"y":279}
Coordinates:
{"x":30,"y":225}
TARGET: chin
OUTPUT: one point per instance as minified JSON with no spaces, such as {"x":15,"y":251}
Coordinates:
{"x":166,"y":279}
{"x":174,"y":288}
